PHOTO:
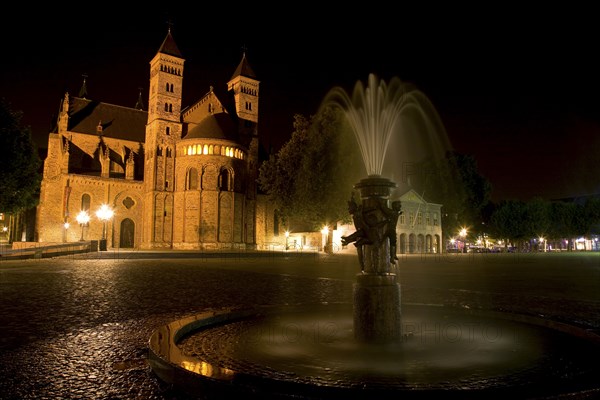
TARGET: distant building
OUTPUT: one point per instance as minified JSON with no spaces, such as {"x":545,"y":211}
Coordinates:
{"x":180,"y":178}
{"x":419,"y":227}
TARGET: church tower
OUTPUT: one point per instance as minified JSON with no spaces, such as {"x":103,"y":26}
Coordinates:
{"x":243,"y":87}
{"x":163,"y":130}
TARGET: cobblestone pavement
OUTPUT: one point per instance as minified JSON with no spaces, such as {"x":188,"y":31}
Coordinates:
{"x":78,"y":327}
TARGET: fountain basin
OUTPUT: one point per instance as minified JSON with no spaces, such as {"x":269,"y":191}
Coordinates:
{"x":308,"y":352}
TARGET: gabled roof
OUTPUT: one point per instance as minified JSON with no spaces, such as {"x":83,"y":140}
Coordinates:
{"x":412,"y":196}
{"x":117,"y":122}
{"x":169,"y":47}
{"x":244,"y":69}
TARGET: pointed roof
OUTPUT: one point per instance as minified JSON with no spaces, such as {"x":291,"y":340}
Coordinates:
{"x":139,"y":105}
{"x":169,"y":47}
{"x":244,"y":69}
{"x":83,"y":91}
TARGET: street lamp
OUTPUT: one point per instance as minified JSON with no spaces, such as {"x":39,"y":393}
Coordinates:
{"x":82,"y":219}
{"x":325,"y":232}
{"x":66,"y":225}
{"x":463,"y":235}
{"x":542,"y":240}
{"x":104,"y":214}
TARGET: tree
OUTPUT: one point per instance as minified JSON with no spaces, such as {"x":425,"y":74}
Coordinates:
{"x":537,"y":217}
{"x":456,"y":183}
{"x":508,"y":221}
{"x":311,"y":178}
{"x":592,"y":213}
{"x":569,"y":221}
{"x":277,"y":176}
{"x":20,"y":163}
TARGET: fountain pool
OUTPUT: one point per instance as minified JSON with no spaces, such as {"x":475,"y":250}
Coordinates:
{"x":309,"y":352}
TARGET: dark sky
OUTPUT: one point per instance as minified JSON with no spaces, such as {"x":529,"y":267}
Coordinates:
{"x":517,"y":90}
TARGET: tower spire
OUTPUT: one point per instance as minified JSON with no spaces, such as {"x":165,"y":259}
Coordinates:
{"x":139,"y":105}
{"x":83,"y":91}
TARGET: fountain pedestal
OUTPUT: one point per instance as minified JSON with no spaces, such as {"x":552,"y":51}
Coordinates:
{"x":377,"y":311}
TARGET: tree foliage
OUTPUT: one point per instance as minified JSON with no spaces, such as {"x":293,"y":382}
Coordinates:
{"x":20,"y":163}
{"x":508,"y":220}
{"x":456,"y":183}
{"x":517,"y":220}
{"x":312,"y":176}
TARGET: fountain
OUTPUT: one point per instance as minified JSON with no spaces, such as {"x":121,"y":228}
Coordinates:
{"x":387,"y":349}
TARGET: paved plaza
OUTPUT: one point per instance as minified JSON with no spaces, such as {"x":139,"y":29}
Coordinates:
{"x":77,"y":327}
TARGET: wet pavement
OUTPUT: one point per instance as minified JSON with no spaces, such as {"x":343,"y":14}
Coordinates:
{"x":77,"y":327}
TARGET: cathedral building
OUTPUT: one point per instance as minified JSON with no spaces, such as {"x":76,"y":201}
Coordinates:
{"x":175,"y":177}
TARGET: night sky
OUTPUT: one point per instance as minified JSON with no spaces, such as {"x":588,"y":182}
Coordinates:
{"x":520,"y":91}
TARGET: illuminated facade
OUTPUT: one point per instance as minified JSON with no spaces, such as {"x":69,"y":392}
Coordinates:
{"x":176,"y":178}
{"x":419,"y":226}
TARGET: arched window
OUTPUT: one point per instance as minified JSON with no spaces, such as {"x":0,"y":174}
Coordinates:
{"x":167,"y":87}
{"x":168,"y":131}
{"x":171,"y":88}
{"x":85,"y":202}
{"x":166,"y":107}
{"x":224,"y":180}
{"x":169,"y":152}
{"x":159,"y":151}
{"x":170,"y":107}
{"x":192,"y":179}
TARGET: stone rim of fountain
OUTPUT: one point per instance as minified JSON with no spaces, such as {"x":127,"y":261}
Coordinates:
{"x":199,"y":377}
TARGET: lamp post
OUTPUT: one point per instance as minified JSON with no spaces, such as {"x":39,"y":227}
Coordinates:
{"x":544,"y":242}
{"x":82,"y":219}
{"x":463,"y":235}
{"x":104,"y":214}
{"x":66,"y":225}
{"x":325,"y":232}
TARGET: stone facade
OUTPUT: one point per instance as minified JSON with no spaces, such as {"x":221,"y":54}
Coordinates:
{"x":419,"y":227}
{"x":176,"y":178}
